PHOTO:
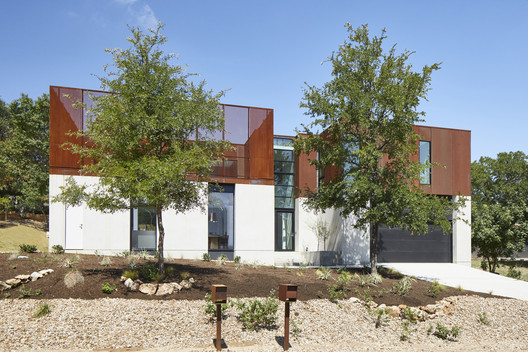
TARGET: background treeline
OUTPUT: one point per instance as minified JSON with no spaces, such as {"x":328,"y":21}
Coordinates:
{"x":24,"y":155}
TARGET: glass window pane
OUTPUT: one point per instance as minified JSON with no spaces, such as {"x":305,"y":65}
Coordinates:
{"x":284,"y":231}
{"x":284,"y":202}
{"x":284,"y":167}
{"x":284,"y":180}
{"x":283,"y":141}
{"x":143,"y":229}
{"x":236,"y":124}
{"x":425,"y":158}
{"x":283,"y":155}
{"x":220,"y":219}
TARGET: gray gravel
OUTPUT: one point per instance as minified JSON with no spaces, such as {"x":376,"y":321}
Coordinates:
{"x":106,"y":324}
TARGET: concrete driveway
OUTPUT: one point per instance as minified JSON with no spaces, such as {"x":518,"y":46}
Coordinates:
{"x":455,"y":275}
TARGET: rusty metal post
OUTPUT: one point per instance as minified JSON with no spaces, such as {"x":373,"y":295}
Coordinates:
{"x":218,"y":326}
{"x":287,"y":326}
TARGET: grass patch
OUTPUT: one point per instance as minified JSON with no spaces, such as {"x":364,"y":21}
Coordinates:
{"x":504,"y":266}
{"x":11,"y":237}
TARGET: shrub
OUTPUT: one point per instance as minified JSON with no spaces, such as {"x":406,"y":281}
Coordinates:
{"x":206,"y":257}
{"x":323,"y":273}
{"x":514,"y":273}
{"x":483,"y":318}
{"x":371,"y":279}
{"x":131,"y":274}
{"x":185,"y":275}
{"x":210,"y":308}
{"x":149,"y":271}
{"x":57,"y":249}
{"x":403,"y":286}
{"x":70,"y":262}
{"x":484,"y":265}
{"x":28,"y":248}
{"x":435,"y":288}
{"x":72,"y":278}
{"x":23,"y":292}
{"x":256,"y":314}
{"x":411,"y":314}
{"x":221,"y":260}
{"x":107,"y":288}
{"x":237,"y":259}
{"x":42,"y":310}
{"x":106,"y":261}
{"x":445,"y":333}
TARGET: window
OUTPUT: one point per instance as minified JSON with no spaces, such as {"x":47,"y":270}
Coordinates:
{"x":425,"y":159}
{"x":220,"y":217}
{"x":284,"y":173}
{"x":143,"y":233}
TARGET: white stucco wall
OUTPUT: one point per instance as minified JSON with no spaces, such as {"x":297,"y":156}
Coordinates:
{"x":462,"y":234}
{"x":254,"y":223}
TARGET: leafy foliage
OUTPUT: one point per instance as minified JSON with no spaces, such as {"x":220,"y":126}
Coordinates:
{"x":499,"y":206}
{"x":152,"y":141}
{"x":256,"y":314}
{"x":435,"y":288}
{"x":28,"y":248}
{"x":445,"y":333}
{"x":57,"y":249}
{"x":403,"y":286}
{"x":367,"y":112}
{"x":107,"y":288}
{"x":24,"y":154}
{"x":43,"y":309}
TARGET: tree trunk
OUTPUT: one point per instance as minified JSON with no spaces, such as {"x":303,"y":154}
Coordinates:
{"x":374,"y":248}
{"x":161,"y":237}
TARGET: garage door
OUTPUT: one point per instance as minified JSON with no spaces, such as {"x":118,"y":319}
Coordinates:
{"x":398,"y":246}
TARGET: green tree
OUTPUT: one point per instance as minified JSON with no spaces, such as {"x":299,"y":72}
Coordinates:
{"x":152,"y":143}
{"x":499,"y":206}
{"x":24,"y":152}
{"x":367,"y":112}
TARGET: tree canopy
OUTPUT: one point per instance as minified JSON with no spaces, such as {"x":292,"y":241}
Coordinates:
{"x":24,"y":149}
{"x":499,"y":206}
{"x":362,"y":125}
{"x":151,"y":142}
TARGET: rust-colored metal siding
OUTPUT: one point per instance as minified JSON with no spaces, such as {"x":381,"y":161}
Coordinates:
{"x":251,"y":161}
{"x":305,"y":174}
{"x":451,"y":149}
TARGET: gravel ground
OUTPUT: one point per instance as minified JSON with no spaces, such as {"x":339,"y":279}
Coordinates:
{"x":140,"y":325}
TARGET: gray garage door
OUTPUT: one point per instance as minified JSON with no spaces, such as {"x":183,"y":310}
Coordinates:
{"x":397,"y":246}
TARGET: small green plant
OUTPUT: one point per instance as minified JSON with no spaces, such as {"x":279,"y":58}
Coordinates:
{"x":221,"y":260}
{"x":295,"y":326}
{"x":107,"y":288}
{"x":97,"y":253}
{"x":185,"y":275}
{"x":42,"y":310}
{"x":237,"y":259}
{"x":370,"y":279}
{"x":23,"y":292}
{"x":256,"y":314}
{"x":57,"y":249}
{"x":71,"y":261}
{"x":131,"y":274}
{"x":38,"y":292}
{"x":323,"y":273}
{"x":403,"y":286}
{"x":106,"y":261}
{"x":483,"y":318}
{"x":411,"y":314}
{"x":435,"y":288}
{"x":206,"y":257}
{"x":514,"y":273}
{"x":238,"y":266}
{"x":132,"y":262}
{"x":381,"y":316}
{"x":210,"y":308}
{"x":14,"y":266}
{"x":459,"y":287}
{"x":255,"y":265}
{"x":28,"y":248}
{"x":406,"y":331}
{"x":143,"y":254}
{"x":445,"y":333}
{"x":125,"y":253}
{"x":7,"y":295}
{"x":150,"y":272}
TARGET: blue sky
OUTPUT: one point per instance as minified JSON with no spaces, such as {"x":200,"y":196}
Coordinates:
{"x":264,"y":51}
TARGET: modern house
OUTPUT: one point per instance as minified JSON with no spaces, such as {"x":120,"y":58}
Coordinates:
{"x":258,"y":215}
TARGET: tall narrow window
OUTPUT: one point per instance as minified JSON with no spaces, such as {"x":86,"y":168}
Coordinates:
{"x":425,"y":159}
{"x":284,"y":172}
{"x":143,"y":234}
{"x":220,"y":218}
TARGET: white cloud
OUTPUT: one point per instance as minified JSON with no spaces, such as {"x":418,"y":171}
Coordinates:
{"x":147,"y":18}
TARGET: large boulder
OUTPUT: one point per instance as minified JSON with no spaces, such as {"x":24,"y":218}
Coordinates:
{"x":13,"y":282}
{"x":165,"y":289}
{"x":148,"y":289}
{"x":35,"y":276}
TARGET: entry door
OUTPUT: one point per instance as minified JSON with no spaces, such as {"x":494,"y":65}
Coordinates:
{"x":74,"y":227}
{"x":143,"y":233}
{"x":284,"y":231}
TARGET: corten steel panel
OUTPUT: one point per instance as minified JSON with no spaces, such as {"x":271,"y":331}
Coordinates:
{"x":442,"y":153}
{"x":462,"y":162}
{"x":64,"y":118}
{"x":305,"y":174}
{"x":261,"y":144}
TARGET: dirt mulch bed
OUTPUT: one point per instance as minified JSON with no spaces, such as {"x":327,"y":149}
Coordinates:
{"x":246,"y":281}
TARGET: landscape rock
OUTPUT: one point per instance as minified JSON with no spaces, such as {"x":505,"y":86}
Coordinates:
{"x":35,"y":276}
{"x":123,"y":278}
{"x":13,"y":282}
{"x":165,"y":289}
{"x":354,"y":300}
{"x":191,"y":280}
{"x":176,"y":286}
{"x":23,"y":278}
{"x":394,"y":311}
{"x":45,"y":272}
{"x":185,"y":284}
{"x":148,"y":289}
{"x":4,"y":286}
{"x":132,"y":285}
